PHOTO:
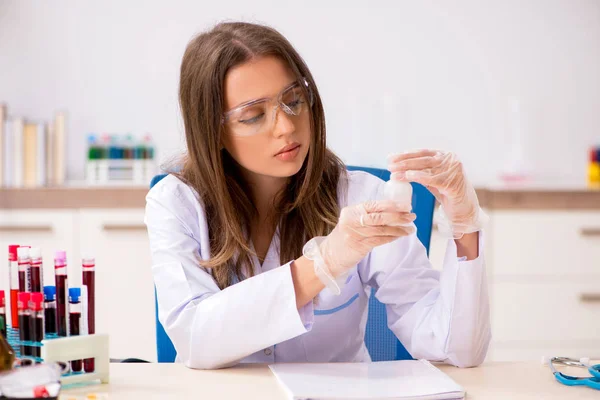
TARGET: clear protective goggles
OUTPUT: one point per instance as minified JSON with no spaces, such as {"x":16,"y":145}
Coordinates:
{"x":259,"y":115}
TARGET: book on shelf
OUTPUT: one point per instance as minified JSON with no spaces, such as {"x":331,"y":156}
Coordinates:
{"x":32,"y":153}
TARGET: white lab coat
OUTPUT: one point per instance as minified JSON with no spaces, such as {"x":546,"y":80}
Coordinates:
{"x":437,"y":316}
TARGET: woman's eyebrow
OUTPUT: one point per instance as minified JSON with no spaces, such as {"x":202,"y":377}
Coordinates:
{"x":254,"y":101}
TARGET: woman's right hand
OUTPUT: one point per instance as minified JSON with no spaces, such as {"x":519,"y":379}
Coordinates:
{"x":361,"y":228}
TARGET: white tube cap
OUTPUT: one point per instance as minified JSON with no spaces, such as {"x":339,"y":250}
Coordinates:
{"x":35,"y":252}
{"x":23,"y":252}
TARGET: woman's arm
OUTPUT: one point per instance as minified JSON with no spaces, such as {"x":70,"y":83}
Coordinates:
{"x":441,"y":316}
{"x":213,"y":328}
{"x":306,"y":284}
{"x":468,"y":246}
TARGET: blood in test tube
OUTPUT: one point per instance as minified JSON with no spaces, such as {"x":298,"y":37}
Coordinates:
{"x":36,"y":321}
{"x":24,"y":268}
{"x":75,"y":320}
{"x":88,"y":264}
{"x":62,"y":294}
{"x":13,"y":271}
{"x":3,"y":313}
{"x":36,"y":270}
{"x":24,"y":324}
{"x":50,"y":309}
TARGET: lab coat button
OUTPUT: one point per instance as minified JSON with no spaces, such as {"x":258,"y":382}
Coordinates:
{"x":268,"y":352}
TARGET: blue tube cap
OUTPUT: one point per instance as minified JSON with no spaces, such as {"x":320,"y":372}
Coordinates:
{"x":74,"y":294}
{"x":50,"y":293}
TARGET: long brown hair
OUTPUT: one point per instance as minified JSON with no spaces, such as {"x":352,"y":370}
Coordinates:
{"x":308,"y":207}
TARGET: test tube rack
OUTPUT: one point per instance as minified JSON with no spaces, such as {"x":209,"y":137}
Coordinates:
{"x":66,"y":349}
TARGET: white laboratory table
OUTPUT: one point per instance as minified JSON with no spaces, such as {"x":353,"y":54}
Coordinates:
{"x":494,"y":380}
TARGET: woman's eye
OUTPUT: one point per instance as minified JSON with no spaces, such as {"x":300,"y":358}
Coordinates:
{"x":251,"y":120}
{"x":294,"y":103}
{"x":251,"y":115}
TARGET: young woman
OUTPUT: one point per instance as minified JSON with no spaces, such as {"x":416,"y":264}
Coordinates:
{"x":259,"y":185}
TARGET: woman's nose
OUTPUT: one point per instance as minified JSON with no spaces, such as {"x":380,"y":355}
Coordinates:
{"x":282,"y":123}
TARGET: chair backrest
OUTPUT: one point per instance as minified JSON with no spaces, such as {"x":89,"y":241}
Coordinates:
{"x":380,"y":340}
{"x":165,"y":350}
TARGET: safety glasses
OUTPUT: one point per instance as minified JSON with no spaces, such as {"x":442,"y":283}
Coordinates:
{"x":259,"y":115}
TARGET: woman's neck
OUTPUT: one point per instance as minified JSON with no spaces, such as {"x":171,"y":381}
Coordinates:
{"x":264,"y":190}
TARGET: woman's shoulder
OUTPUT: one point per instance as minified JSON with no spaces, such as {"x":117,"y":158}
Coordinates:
{"x":173,"y":195}
{"x":172,"y":188}
{"x":360,"y":186}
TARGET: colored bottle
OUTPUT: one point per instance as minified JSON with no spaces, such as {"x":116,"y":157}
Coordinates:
{"x":24,"y":268}
{"x":24,"y":324}
{"x":3,"y":313}
{"x":36,"y":271}
{"x":149,"y":165}
{"x":75,"y":320}
{"x":103,"y":162}
{"x":594,"y":166}
{"x":7,"y":353}
{"x":93,"y":155}
{"x":62,"y":293}
{"x":50,"y":310}
{"x":36,"y":322}
{"x":13,"y":271}
{"x":89,"y":279}
{"x":129,"y":147}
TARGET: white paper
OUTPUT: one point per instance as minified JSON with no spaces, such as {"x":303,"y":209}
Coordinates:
{"x":405,"y":379}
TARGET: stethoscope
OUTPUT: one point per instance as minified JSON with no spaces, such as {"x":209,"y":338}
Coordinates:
{"x":590,"y":381}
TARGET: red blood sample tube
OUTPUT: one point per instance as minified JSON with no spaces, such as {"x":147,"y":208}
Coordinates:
{"x":24,"y":324}
{"x":62,"y":293}
{"x":89,"y":279}
{"x":36,"y":322}
{"x":13,"y":270}
{"x":75,"y":320}
{"x":24,"y":266}
{"x":3,"y":312}
{"x":36,"y":270}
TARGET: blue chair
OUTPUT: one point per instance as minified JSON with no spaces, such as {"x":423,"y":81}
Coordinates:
{"x":380,"y":340}
{"x":164,"y":347}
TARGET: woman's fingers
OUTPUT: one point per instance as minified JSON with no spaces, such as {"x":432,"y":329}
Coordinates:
{"x":378,"y":206}
{"x":397,"y":229}
{"x":395,"y":158}
{"x":388,"y":219}
{"x":374,"y":241}
{"x":425,"y":178}
{"x":419,"y":163}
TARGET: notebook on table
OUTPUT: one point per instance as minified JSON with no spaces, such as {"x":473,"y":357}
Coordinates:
{"x":404,"y":379}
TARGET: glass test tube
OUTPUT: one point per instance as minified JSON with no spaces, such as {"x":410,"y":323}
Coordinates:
{"x":75,"y":320}
{"x":36,"y":270}
{"x":24,"y":325}
{"x":3,"y":313}
{"x":62,"y":294}
{"x":50,"y":310}
{"x":36,"y":321}
{"x":89,"y":280}
{"x":13,"y":271}
{"x":24,"y":266}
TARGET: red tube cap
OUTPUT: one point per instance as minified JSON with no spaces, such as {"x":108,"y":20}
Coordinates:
{"x":36,"y":302}
{"x":23,"y":300}
{"x":12,"y":252}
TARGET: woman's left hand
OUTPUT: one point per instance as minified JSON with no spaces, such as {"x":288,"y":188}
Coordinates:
{"x":443,"y":174}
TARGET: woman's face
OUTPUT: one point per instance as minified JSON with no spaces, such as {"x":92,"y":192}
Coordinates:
{"x":279,"y":142}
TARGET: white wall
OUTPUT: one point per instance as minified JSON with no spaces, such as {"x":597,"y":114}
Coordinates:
{"x":394,"y":75}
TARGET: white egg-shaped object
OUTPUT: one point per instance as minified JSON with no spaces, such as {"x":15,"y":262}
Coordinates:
{"x":399,"y":192}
